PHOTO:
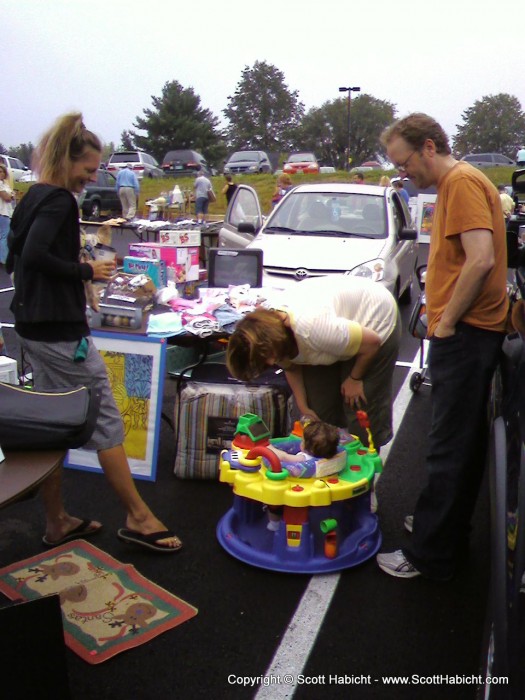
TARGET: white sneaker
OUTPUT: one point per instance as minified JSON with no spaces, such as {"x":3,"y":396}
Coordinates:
{"x":409,"y":523}
{"x":273,"y":525}
{"x":396,"y":564}
{"x":373,"y":502}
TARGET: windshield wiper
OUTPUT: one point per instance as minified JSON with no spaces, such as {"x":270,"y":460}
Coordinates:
{"x":338,"y":234}
{"x":281,"y":229}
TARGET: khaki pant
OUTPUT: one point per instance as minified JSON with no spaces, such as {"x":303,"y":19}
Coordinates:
{"x":128,"y":199}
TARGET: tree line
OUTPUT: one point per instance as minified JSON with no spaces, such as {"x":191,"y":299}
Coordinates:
{"x":265,"y":114}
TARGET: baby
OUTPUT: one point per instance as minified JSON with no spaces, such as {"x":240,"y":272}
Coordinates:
{"x":320,"y":440}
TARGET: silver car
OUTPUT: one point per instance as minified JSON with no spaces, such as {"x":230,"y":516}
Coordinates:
{"x":328,"y":229}
{"x":142,"y":164}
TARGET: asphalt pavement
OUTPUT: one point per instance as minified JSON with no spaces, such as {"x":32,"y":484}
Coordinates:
{"x":356,"y":634}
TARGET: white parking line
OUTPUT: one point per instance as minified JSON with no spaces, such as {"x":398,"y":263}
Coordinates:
{"x":299,"y":638}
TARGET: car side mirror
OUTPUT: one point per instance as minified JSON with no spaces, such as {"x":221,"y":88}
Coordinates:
{"x":246,"y":227}
{"x":408,"y":234}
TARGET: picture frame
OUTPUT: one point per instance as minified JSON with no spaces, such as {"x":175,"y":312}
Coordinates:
{"x":425,"y":212}
{"x":136,"y":369}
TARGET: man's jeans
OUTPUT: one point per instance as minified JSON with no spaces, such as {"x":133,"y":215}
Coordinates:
{"x":461,"y":369}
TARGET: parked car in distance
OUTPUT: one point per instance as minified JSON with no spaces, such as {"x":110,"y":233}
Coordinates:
{"x":367,"y":166}
{"x":28,"y":176}
{"x":142,"y":163}
{"x":327,"y":229}
{"x":100,"y":197}
{"x":184,"y":162}
{"x":488,"y":160}
{"x":301,"y":163}
{"x":248,"y":162}
{"x":14,"y":165}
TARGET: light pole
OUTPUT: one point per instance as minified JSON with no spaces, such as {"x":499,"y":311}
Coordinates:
{"x":349,"y":90}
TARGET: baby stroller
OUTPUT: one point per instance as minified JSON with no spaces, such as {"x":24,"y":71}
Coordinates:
{"x":417,"y":327}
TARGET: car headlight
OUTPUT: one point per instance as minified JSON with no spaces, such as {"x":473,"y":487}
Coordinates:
{"x":252,"y":168}
{"x":374,"y":270}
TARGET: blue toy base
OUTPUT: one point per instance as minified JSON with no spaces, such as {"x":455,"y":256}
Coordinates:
{"x":243,"y":532}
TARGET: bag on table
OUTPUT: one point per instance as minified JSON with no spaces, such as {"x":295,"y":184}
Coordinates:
{"x":36,"y":420}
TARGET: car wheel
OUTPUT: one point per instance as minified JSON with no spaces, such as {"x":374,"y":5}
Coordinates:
{"x":94,"y":209}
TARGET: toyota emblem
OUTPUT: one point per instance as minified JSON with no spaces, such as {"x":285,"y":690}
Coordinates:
{"x":301,"y":273}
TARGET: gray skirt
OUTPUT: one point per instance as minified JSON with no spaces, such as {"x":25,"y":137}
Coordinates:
{"x":53,"y":368}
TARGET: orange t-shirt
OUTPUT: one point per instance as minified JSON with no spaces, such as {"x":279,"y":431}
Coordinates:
{"x":466,"y":200}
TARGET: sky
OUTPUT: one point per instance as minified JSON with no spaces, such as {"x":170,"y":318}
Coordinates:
{"x":108,"y":58}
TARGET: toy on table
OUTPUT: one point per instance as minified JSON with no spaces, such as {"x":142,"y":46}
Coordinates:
{"x":323,"y":522}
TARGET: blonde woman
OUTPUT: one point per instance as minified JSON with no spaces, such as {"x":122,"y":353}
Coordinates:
{"x":49,"y":306}
{"x":384,"y":181}
{"x":6,"y":210}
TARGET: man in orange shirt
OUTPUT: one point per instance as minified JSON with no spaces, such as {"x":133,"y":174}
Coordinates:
{"x":467,"y":308}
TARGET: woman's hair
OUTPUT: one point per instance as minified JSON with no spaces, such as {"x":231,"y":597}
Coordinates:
{"x":65,"y":142}
{"x":4,"y":170}
{"x":320,"y":439}
{"x":415,"y":130}
{"x":284,"y":179}
{"x":384,"y":181}
{"x":261,"y":335}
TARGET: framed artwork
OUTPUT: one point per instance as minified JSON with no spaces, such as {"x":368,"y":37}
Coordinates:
{"x":425,"y":213}
{"x":136,"y":368}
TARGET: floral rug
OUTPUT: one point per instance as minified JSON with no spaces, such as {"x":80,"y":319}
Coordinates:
{"x":107,"y":606}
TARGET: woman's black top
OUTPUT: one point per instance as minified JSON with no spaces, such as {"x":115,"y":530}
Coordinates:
{"x":49,"y":302}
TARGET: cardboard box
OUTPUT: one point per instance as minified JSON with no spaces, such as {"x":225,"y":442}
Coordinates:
{"x":182,"y":238}
{"x":182,"y":263}
{"x":155,"y":269}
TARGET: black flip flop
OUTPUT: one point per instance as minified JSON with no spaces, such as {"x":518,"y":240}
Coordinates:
{"x":81,"y":530}
{"x":149,"y":541}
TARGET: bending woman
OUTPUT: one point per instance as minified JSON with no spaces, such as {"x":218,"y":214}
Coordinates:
{"x":337,"y":338}
{"x":49,"y":306}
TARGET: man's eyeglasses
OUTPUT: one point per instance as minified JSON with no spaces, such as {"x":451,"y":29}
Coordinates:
{"x":403,"y":166}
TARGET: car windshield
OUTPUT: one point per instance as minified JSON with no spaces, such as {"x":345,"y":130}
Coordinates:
{"x":330,"y":214}
{"x":301,"y":158}
{"x":125,"y":158}
{"x":243,"y":155}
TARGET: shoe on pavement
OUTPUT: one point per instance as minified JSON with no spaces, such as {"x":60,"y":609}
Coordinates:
{"x":409,"y":523}
{"x":396,"y":564}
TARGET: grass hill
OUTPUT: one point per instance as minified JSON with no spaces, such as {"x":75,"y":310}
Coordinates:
{"x":264,"y":185}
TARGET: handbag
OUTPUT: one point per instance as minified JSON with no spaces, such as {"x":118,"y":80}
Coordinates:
{"x":212,"y":196}
{"x":36,"y":420}
{"x":418,"y":323}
